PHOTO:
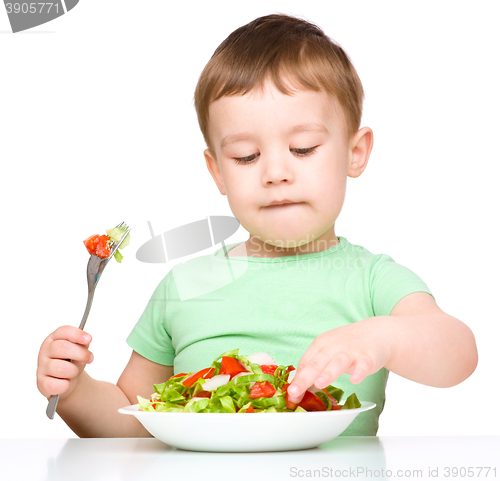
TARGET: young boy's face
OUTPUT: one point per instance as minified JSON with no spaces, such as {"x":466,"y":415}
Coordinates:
{"x":307,"y":165}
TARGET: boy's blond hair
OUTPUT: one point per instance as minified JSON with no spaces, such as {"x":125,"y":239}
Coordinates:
{"x":279,"y":46}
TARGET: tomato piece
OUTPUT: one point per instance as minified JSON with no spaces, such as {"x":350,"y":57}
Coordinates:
{"x":206,"y":373}
{"x":268,"y":368}
{"x":250,"y":409}
{"x":231,"y":366}
{"x":207,"y":394}
{"x":262,"y":389}
{"x":178,"y":375}
{"x":91,"y":243}
{"x":289,"y":369}
{"x":310,"y":402}
{"x":102,"y":249}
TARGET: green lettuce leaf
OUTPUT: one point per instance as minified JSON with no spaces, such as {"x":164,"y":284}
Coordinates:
{"x":335,"y":392}
{"x":118,"y":256}
{"x":352,"y":402}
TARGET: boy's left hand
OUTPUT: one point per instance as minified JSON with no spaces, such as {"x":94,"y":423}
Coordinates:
{"x":358,"y":349}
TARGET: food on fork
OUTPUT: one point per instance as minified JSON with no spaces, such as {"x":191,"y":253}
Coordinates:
{"x":240,"y":384}
{"x":100,"y":245}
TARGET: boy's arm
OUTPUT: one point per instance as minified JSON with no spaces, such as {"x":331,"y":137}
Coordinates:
{"x":417,"y":341}
{"x":430,"y":347}
{"x":92,"y":408}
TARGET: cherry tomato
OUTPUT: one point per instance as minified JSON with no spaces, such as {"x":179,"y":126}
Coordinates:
{"x":102,"y":249}
{"x":262,"y":389}
{"x":310,"y":402}
{"x":91,"y":243}
{"x":206,"y":373}
{"x":268,"y":368}
{"x":207,"y":394}
{"x":231,"y":366}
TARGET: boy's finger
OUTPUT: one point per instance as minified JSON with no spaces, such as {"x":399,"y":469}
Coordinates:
{"x":60,"y":369}
{"x":335,"y":368}
{"x":311,"y":351}
{"x":362,"y":367}
{"x":62,"y":349}
{"x":306,"y":377}
{"x":72,"y":334}
{"x":54,"y":385}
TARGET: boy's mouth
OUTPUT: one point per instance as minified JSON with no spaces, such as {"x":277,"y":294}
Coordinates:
{"x":282,"y":203}
{"x":283,"y":206}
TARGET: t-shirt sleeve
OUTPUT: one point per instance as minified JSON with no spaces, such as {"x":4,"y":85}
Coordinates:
{"x":390,"y":282}
{"x":149,"y":337}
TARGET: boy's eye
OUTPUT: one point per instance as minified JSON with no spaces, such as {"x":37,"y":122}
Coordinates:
{"x":304,"y":152}
{"x":250,"y":158}
{"x":244,"y":160}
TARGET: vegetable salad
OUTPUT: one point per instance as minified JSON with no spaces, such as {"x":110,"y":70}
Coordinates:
{"x":240,"y":384}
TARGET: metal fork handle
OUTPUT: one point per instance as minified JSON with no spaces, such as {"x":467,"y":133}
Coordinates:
{"x":94,"y":271}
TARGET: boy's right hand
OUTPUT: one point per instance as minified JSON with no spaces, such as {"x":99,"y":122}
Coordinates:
{"x":55,"y":375}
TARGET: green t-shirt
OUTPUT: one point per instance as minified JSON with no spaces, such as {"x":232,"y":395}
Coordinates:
{"x":211,"y":304}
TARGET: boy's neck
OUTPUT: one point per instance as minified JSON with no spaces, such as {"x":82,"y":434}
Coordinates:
{"x":254,"y":247}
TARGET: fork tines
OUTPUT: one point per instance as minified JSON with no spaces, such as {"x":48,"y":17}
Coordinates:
{"x":124,"y":228}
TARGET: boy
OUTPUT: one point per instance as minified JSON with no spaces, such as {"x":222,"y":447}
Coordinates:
{"x":279,"y":105}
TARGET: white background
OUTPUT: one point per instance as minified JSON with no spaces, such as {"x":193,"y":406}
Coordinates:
{"x":97,"y":125}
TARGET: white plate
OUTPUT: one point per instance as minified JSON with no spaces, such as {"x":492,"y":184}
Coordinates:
{"x":242,"y":432}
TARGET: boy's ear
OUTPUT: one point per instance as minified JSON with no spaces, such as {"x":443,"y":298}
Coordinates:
{"x":214,"y":169}
{"x":361,"y":147}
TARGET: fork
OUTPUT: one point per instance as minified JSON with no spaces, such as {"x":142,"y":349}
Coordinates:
{"x":94,"y":271}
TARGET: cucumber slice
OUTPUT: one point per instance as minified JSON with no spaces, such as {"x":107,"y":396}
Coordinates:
{"x":300,"y":410}
{"x":116,"y":235}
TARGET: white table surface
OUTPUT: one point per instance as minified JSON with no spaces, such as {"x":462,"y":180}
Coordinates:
{"x":148,"y":459}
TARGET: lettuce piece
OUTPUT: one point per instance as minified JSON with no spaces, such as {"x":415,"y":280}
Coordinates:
{"x":169,"y":408}
{"x":265,"y":402}
{"x":172,"y":396}
{"x":231,"y":353}
{"x":271,"y":409}
{"x":352,"y":402}
{"x":196,"y":406}
{"x":252,"y":378}
{"x":227,"y":404}
{"x":145,"y":404}
{"x":335,"y":392}
{"x":118,"y":256}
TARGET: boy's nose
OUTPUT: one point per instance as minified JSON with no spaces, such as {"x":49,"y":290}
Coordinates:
{"x":276,"y":174}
